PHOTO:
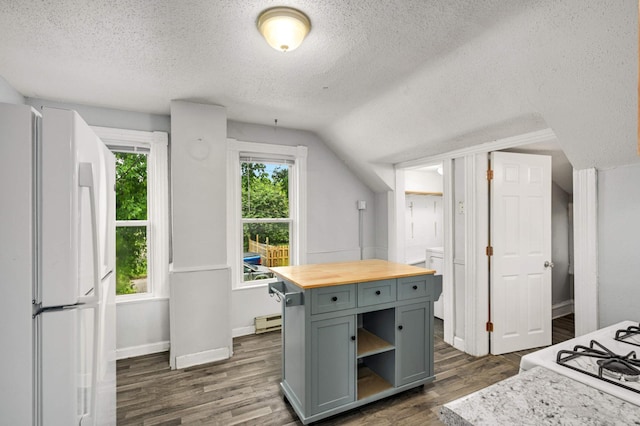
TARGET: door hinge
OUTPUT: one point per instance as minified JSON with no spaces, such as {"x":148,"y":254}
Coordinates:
{"x":489,"y":174}
{"x":490,"y":326}
{"x":489,"y":251}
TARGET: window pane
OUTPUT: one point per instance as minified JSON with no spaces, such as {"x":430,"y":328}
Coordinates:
{"x":131,"y":259}
{"x":131,"y":186}
{"x":265,"y":245}
{"x":265,"y":190}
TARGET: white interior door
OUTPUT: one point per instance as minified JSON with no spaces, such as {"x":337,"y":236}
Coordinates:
{"x":520,"y":286}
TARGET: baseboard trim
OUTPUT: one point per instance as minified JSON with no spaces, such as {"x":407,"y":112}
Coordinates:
{"x":561,"y":309}
{"x":458,"y":343}
{"x":134,"y":351}
{"x":204,"y":357}
{"x":243,"y":331}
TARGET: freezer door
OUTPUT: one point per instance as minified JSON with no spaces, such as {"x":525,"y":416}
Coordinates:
{"x":77,"y":177}
{"x":66,"y":366}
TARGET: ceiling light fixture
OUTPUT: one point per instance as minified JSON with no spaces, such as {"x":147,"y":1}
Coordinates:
{"x":284,"y":28}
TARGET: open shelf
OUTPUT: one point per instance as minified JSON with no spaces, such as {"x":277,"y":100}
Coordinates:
{"x":369,"y":343}
{"x":369,"y":383}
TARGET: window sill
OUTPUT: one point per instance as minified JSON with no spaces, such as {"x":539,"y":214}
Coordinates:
{"x":126,"y":299}
{"x":253,"y":286}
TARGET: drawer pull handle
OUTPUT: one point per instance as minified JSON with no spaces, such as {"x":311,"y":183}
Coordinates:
{"x":334,"y":299}
{"x":377,"y":292}
{"x":400,"y":327}
{"x":353,"y":338}
{"x":415,"y":287}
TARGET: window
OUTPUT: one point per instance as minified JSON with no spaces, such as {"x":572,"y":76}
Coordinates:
{"x":131,"y":223}
{"x":266,"y":209}
{"x":266,"y":223}
{"x":142,"y":233}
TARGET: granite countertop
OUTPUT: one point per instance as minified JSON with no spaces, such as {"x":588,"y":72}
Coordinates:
{"x":539,"y":397}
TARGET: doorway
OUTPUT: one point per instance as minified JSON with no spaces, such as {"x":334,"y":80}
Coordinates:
{"x":465,"y":199}
{"x":424,"y":221}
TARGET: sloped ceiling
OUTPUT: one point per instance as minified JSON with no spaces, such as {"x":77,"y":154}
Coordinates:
{"x":380,"y":82}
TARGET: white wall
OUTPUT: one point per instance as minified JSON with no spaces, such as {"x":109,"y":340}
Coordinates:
{"x":8,"y":94}
{"x":422,"y":181}
{"x":423,"y":225}
{"x":200,"y":289}
{"x":332,"y":216}
{"x":618,"y":244}
{"x":381,"y":212}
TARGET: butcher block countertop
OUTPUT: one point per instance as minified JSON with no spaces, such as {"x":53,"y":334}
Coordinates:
{"x":329,"y":274}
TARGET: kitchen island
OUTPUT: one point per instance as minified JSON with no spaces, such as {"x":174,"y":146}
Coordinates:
{"x":539,"y":397}
{"x":353,"y":333}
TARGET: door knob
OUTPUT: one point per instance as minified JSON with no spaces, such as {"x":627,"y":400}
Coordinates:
{"x":548,"y":264}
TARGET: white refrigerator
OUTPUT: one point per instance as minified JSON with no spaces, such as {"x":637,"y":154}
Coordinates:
{"x":57,"y":266}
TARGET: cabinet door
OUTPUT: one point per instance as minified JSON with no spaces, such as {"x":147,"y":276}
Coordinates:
{"x":333,"y":359}
{"x":413,"y":342}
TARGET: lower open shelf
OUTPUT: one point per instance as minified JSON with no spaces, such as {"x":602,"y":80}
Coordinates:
{"x":369,"y":383}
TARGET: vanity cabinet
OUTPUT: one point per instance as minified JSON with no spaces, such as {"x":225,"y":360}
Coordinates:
{"x":354,"y":333}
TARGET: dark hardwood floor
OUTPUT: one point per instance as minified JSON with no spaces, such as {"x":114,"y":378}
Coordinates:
{"x":244,"y":389}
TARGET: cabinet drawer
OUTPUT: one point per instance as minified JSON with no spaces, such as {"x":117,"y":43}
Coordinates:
{"x":335,"y":298}
{"x":413,"y":287}
{"x":376,"y":292}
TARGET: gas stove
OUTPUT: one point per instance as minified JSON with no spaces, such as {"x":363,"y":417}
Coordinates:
{"x":607,"y":359}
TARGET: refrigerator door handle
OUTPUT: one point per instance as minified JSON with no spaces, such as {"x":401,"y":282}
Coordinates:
{"x":85,"y":179}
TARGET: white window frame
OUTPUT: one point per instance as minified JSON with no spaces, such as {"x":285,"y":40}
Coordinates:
{"x":156,"y":144}
{"x":297,"y":202}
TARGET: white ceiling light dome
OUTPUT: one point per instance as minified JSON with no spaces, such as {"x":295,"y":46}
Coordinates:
{"x":284,"y":28}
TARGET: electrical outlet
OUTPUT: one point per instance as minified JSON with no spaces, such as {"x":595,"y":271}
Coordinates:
{"x":461,"y":207}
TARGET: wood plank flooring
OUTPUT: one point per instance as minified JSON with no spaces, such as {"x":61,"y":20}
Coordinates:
{"x":244,"y":389}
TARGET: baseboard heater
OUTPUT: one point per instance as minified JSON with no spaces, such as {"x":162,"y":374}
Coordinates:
{"x":268,"y":323}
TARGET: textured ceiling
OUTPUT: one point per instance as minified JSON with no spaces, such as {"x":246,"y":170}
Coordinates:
{"x":380,"y":82}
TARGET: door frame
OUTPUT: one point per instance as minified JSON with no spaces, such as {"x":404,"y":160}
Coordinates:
{"x":475,"y":339}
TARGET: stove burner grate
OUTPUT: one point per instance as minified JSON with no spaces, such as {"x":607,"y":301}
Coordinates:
{"x":612,"y":368}
{"x":625,"y":334}
{"x":618,"y":369}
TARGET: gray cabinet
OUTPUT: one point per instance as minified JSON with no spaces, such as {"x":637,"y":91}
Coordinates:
{"x":348,"y":345}
{"x":333,"y":347}
{"x":414,"y":342}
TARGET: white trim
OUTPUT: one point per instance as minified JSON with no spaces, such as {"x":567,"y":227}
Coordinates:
{"x":128,"y":299}
{"x":476,"y":304}
{"x":297,"y":199}
{"x":157,"y":222}
{"x":561,"y":309}
{"x":396,"y":225}
{"x":204,"y":357}
{"x":125,"y":137}
{"x":151,"y":348}
{"x":132,"y":223}
{"x":496,"y":145}
{"x":158,"y":202}
{"x":585,"y":243}
{"x":185,"y":269}
{"x":243,"y":331}
{"x":448,"y":291}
